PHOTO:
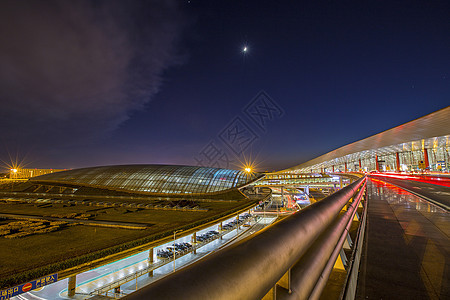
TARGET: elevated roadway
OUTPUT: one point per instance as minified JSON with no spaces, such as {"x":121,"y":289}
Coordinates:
{"x":433,"y":189}
{"x":406,"y":251}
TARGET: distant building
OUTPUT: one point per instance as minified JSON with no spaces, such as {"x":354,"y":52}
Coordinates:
{"x":28,"y":173}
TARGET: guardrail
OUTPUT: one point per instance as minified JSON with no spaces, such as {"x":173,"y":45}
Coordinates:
{"x":128,"y":278}
{"x":251,"y":268}
{"x":349,"y":292}
{"x":161,"y":262}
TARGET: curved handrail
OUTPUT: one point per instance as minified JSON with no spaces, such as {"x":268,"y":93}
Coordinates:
{"x":250,"y":268}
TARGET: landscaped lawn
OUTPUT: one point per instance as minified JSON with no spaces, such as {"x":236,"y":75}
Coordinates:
{"x":35,"y":251}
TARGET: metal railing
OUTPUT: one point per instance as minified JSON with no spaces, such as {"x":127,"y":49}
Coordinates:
{"x":161,"y":262}
{"x":310,"y":274}
{"x":127,"y":278}
{"x":251,"y":268}
{"x":349,"y":291}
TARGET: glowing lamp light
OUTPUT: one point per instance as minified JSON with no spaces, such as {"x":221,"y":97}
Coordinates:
{"x":248,"y":169}
{"x":245,"y":49}
{"x":14,"y":170}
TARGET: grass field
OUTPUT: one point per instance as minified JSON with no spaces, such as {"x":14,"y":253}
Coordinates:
{"x":34,"y":251}
{"x":26,"y":253}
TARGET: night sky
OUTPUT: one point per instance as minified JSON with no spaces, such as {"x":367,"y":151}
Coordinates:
{"x":86,"y":83}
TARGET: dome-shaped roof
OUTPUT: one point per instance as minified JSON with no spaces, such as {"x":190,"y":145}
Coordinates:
{"x":153,"y":179}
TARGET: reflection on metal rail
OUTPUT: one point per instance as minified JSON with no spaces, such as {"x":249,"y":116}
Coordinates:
{"x":253,"y":267}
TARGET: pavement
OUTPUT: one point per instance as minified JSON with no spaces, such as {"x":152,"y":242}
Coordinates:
{"x":406,"y":253}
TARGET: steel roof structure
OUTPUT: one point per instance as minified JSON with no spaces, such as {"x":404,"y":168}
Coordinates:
{"x":152,"y":179}
{"x":429,"y":131}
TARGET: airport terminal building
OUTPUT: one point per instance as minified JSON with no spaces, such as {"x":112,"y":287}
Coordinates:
{"x":422,"y":144}
{"x":150,"y":180}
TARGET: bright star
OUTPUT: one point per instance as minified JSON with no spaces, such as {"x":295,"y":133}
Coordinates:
{"x":245,"y":49}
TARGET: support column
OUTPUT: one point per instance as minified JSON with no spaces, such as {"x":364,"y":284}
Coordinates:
{"x":425,"y":158}
{"x":397,"y":162}
{"x":72,"y":285}
{"x":272,"y":294}
{"x":194,"y":240}
{"x":285,"y":281}
{"x":348,"y":242}
{"x":220,"y":229}
{"x":345,"y":167}
{"x":446,"y":160}
{"x":333,"y":168}
{"x":360,"y":165}
{"x":341,"y":261}
{"x":237,"y":223}
{"x":150,"y":261}
{"x":377,"y":165}
{"x":321,"y":170}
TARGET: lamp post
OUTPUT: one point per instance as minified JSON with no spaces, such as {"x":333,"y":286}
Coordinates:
{"x":264,"y":209}
{"x":14,"y":172}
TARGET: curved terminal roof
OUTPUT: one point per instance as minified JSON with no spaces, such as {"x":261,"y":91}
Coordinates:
{"x":425,"y":131}
{"x":153,"y":179}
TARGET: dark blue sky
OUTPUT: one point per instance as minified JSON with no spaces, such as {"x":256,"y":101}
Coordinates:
{"x":167,"y":82}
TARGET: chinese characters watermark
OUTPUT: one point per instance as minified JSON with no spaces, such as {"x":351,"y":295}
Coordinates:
{"x":241,"y":133}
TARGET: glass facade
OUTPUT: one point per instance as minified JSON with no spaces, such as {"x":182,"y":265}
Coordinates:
{"x":154,"y":179}
{"x":433,"y":152}
{"x":420,"y":145}
{"x":286,"y":179}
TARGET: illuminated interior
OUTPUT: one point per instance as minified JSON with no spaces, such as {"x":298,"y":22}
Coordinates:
{"x":153,"y":179}
{"x":422,"y":144}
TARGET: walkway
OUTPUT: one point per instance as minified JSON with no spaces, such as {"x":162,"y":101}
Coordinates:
{"x":406,"y":254}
